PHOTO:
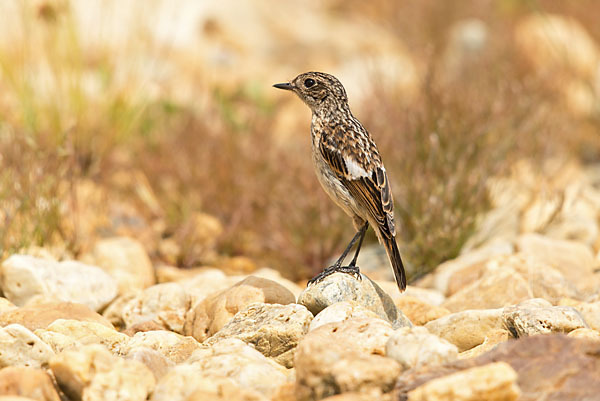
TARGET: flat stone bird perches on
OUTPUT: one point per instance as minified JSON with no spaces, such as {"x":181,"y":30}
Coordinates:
{"x":348,"y":167}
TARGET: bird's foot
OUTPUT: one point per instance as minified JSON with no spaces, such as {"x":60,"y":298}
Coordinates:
{"x":353,"y":270}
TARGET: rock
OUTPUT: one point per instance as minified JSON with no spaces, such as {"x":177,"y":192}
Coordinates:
{"x":589,"y":311}
{"x":415,"y":347}
{"x":226,"y":393}
{"x":22,"y":277}
{"x":74,"y":333}
{"x":158,"y":364}
{"x":526,"y":320}
{"x":20,"y":347}
{"x":165,"y":304}
{"x":92,"y":373}
{"x":148,"y":325}
{"x":344,"y":357}
{"x":496,"y":289}
{"x":274,"y":275}
{"x":273,"y":329}
{"x":27,"y":382}
{"x":419,"y":312}
{"x":234,"y":359}
{"x":206,"y":282}
{"x":339,"y":312}
{"x":549,"y":367}
{"x":491,"y":382}
{"x":184,"y":383}
{"x":40,"y":316}
{"x":215,"y":311}
{"x":173,"y":346}
{"x":455,"y":269}
{"x":585,"y":333}
{"x":573,"y":260}
{"x":114,"y":312}
{"x":489,"y":343}
{"x":354,"y":397}
{"x":427,"y":295}
{"x":126,"y":260}
{"x":469,"y":328}
{"x":6,"y":305}
{"x":339,"y":287}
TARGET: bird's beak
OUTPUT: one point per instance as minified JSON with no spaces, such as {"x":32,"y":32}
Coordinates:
{"x":287,"y":86}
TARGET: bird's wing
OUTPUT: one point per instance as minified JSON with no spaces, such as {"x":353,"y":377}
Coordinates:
{"x":359,"y":168}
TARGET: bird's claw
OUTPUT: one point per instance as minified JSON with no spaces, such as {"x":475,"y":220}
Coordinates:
{"x":350,"y":269}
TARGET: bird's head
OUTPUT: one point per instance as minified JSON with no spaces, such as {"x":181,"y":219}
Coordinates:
{"x":317,"y":89}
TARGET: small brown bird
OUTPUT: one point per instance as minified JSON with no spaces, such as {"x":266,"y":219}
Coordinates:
{"x":348,"y":167}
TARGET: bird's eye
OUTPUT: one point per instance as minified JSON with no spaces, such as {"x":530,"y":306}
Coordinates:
{"x":309,"y":82}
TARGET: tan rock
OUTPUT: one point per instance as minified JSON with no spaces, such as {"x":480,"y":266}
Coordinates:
{"x":273,"y":329}
{"x":22,"y":277}
{"x":114,"y":311}
{"x":345,"y":357}
{"x":65,"y":333}
{"x":574,"y":260}
{"x":419,"y":312}
{"x":165,"y":303}
{"x":339,"y":312}
{"x":92,"y":373}
{"x":488,"y":344}
{"x":20,"y":347}
{"x":272,"y":274}
{"x":230,"y":358}
{"x":590,"y":312}
{"x":207,"y":282}
{"x":27,"y":382}
{"x":455,"y":269}
{"x":158,"y":364}
{"x":6,"y":305}
{"x":585,"y":333}
{"x":214,"y":312}
{"x":185,"y":383}
{"x":427,"y":295}
{"x":492,"y":382}
{"x":496,"y":289}
{"x":173,"y":346}
{"x":548,"y":367}
{"x":41,"y":315}
{"x":415,"y":347}
{"x":527,"y":319}
{"x":469,"y":328}
{"x":126,"y":260}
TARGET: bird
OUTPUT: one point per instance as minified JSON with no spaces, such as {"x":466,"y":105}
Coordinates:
{"x":349,"y":168}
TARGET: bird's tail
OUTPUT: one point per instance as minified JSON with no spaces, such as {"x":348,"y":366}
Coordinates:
{"x":394,"y":255}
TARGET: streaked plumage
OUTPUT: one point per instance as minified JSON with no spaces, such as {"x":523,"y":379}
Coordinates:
{"x":347,"y":162}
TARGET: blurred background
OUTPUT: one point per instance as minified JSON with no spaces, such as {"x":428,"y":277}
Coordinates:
{"x":156,"y":120}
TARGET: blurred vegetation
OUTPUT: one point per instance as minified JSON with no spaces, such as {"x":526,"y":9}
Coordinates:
{"x":219,"y":158}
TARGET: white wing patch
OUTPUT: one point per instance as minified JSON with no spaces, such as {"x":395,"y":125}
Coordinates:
{"x":354,"y":169}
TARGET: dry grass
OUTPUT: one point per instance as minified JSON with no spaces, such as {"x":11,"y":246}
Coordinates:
{"x":440,"y":147}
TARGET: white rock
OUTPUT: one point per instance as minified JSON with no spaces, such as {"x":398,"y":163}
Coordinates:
{"x":416,"y":347}
{"x":20,"y":347}
{"x":339,"y":312}
{"x":23,"y":277}
{"x":165,"y":303}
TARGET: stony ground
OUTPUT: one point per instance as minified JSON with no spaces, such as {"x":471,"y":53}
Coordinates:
{"x":515,"y":317}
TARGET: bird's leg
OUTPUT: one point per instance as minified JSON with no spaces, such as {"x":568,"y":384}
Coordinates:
{"x":337,"y":266}
{"x":363,"y":231}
